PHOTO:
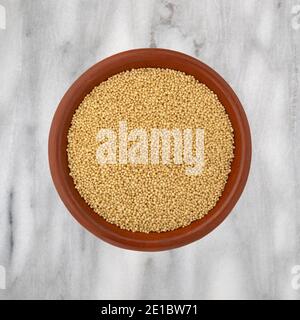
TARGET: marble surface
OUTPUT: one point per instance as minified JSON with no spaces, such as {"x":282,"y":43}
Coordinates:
{"x":46,"y":45}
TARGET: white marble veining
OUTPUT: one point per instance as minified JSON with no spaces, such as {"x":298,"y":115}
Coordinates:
{"x":253,"y":44}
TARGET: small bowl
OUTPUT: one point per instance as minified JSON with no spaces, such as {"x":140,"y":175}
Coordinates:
{"x":143,"y":58}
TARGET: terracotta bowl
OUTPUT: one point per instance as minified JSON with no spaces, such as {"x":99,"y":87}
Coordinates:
{"x":64,"y":184}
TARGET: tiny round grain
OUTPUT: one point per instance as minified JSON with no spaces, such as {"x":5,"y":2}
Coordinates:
{"x":150,"y":198}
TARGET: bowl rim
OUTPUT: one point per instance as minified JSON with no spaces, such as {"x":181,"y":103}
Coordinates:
{"x":95,"y":223}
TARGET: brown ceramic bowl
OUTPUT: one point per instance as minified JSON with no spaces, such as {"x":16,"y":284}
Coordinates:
{"x":64,"y":184}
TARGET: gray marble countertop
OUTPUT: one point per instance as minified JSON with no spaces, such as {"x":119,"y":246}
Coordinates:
{"x":46,"y":45}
